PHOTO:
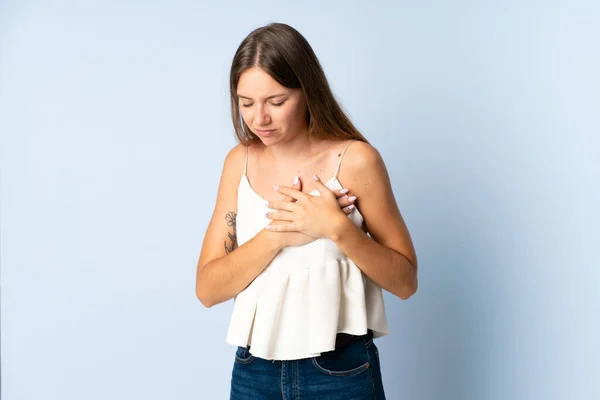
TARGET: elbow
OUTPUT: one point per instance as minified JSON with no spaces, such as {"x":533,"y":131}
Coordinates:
{"x":407,"y":292}
{"x":407,"y":289}
{"x":204,"y":298}
{"x":203,"y":291}
{"x":209,"y":298}
{"x":208,"y":295}
{"x":205,"y":301}
{"x":407,"y":283}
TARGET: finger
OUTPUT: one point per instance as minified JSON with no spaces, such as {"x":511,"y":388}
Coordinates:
{"x":349,"y":209}
{"x":281,"y":227}
{"x":346,"y":201}
{"x":297,"y":185}
{"x":340,"y":193}
{"x":321,"y":188}
{"x":282,"y":205}
{"x":288,"y":191}
{"x":280,"y":216}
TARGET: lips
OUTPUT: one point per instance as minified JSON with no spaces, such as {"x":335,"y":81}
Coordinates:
{"x":265,"y":132}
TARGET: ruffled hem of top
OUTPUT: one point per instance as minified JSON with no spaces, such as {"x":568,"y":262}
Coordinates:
{"x":298,"y":315}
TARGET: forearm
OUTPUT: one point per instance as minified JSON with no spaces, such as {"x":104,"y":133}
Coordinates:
{"x":387,"y":268}
{"x":223,"y":278}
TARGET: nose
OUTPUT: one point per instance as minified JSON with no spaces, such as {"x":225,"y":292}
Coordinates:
{"x":262,"y":118}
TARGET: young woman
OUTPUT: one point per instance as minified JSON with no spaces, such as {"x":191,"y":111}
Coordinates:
{"x":305,"y":256}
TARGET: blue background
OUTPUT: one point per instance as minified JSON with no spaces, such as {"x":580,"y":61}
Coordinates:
{"x":114,"y":124}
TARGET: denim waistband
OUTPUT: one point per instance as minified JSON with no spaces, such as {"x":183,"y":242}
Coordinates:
{"x":344,"y":339}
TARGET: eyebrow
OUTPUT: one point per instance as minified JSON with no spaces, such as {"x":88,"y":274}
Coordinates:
{"x":266,"y":98}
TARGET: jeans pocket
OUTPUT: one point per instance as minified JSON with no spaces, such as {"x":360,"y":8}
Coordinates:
{"x":243,"y":356}
{"x":349,"y":361}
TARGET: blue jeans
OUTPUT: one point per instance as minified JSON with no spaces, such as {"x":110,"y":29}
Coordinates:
{"x":350,"y":373}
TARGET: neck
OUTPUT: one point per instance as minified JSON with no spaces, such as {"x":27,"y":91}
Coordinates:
{"x":295,"y":150}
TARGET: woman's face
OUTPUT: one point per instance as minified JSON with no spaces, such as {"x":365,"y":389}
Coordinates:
{"x":272,"y":112}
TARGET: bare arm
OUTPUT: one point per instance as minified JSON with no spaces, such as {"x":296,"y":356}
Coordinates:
{"x":224,"y":270}
{"x":223,"y":278}
{"x":389,"y":258}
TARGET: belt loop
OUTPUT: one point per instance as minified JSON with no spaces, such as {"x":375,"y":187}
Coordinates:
{"x":367,"y":337}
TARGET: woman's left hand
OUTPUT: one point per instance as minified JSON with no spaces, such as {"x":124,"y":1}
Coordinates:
{"x":313,"y":215}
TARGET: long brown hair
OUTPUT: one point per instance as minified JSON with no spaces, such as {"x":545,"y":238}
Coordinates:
{"x":283,"y":53}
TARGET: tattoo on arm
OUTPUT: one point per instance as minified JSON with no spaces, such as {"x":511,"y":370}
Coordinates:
{"x":231,"y":245}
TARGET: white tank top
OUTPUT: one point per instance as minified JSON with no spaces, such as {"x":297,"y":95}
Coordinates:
{"x":305,"y":295}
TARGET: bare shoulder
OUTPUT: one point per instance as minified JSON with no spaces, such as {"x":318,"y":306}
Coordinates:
{"x":364,"y":164}
{"x":235,"y":159}
{"x":364,"y":152}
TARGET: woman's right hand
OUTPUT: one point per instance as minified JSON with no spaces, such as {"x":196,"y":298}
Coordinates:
{"x":285,"y":239}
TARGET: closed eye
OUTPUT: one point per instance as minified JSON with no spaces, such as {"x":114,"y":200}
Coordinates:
{"x":273,"y":104}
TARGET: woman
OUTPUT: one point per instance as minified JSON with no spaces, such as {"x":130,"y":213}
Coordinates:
{"x":306,"y":262}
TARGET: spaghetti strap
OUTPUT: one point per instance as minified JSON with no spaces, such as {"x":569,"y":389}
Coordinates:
{"x":341,"y":157}
{"x":246,"y":161}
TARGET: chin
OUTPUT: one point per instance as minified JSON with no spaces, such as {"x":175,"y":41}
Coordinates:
{"x":269,"y":141}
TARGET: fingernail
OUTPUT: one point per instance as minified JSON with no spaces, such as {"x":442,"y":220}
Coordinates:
{"x":296,"y":179}
{"x":276,"y":187}
{"x":350,"y":207}
{"x":266,"y":204}
{"x":267,"y":214}
{"x":344,"y":191}
{"x":316,"y":178}
{"x":268,"y":227}
{"x":351,"y":198}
